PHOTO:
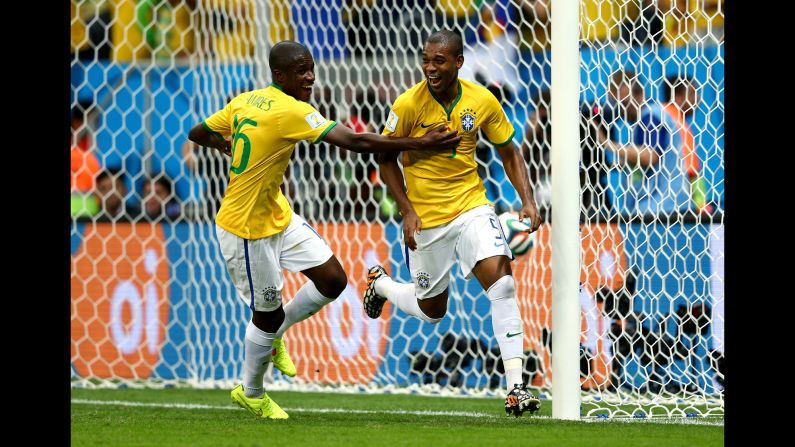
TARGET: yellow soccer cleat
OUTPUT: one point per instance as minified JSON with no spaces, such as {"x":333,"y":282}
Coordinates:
{"x":281,"y":359}
{"x":263,"y":407}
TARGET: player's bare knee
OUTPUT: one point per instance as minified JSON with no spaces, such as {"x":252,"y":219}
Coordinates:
{"x":268,"y":320}
{"x":334,"y":285}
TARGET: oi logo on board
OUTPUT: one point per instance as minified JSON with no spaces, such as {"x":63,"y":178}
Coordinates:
{"x":119,"y":301}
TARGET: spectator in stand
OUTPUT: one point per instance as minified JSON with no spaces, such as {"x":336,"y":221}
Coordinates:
{"x":152,"y":28}
{"x":599,"y":20}
{"x":692,"y":21}
{"x":159,"y":202}
{"x":111,"y":194}
{"x":90,"y":21}
{"x":232,"y":32}
{"x":84,"y":164}
{"x":643,"y":25}
{"x":493,"y":55}
{"x":534,"y":25}
{"x":593,"y":172}
{"x":657,"y":181}
{"x":455,"y":14}
{"x":165,"y":25}
{"x":682,"y":97}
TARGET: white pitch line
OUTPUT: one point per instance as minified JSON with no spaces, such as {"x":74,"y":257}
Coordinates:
{"x":122,"y":403}
{"x":296,"y":409}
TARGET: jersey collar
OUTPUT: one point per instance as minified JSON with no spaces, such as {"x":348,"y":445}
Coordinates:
{"x":455,"y":101}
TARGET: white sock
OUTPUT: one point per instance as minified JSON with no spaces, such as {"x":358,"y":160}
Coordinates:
{"x":513,"y":372}
{"x":507,"y":324}
{"x":258,"y":354}
{"x":402,"y":296}
{"x":307,"y":302}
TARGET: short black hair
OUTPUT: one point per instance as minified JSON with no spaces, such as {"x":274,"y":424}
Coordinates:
{"x":80,"y":109}
{"x":77,"y":114}
{"x":284,"y":53}
{"x":161,"y":179}
{"x":114,"y":174}
{"x":627,"y":77}
{"x":675,"y":84}
{"x":448,"y":38}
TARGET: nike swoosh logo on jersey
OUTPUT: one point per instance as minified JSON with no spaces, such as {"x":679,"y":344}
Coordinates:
{"x":424,"y":126}
{"x":509,"y":335}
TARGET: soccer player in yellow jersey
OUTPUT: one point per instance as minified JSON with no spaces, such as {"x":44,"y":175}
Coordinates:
{"x":445,"y":211}
{"x":257,"y":231}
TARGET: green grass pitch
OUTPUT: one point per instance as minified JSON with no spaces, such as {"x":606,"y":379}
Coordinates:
{"x":189,"y":417}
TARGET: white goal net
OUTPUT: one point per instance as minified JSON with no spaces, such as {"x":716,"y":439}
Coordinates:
{"x":152,"y":303}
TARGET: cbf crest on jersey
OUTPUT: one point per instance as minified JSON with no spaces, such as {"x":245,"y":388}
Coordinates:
{"x":423,"y":280}
{"x":270,"y":294}
{"x":468,"y":120}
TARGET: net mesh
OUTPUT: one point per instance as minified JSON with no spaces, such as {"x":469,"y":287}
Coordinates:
{"x":152,"y":303}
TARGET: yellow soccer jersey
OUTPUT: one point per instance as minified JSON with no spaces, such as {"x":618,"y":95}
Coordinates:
{"x":441,"y":186}
{"x":265,"y":124}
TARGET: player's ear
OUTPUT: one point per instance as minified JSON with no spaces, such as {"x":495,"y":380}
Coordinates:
{"x":278,"y":76}
{"x":459,"y":61}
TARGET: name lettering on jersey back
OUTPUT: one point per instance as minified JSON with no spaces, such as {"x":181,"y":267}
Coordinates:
{"x":261,"y":102}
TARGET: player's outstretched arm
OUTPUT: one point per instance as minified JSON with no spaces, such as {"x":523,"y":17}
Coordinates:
{"x":203,"y":137}
{"x":641,"y":156}
{"x":514,"y":166}
{"x":437,"y":138}
{"x":393,"y":177}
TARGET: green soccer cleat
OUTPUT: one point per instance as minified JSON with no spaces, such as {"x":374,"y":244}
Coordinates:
{"x":263,"y":407}
{"x":520,"y":400}
{"x":373,"y":303}
{"x":281,"y":359}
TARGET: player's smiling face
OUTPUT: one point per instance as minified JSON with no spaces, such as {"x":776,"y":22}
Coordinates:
{"x":297,"y":81}
{"x":440,"y":67}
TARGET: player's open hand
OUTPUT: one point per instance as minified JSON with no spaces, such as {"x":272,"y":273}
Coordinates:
{"x":440,"y":139}
{"x":411,"y":225}
{"x":530,"y":211}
